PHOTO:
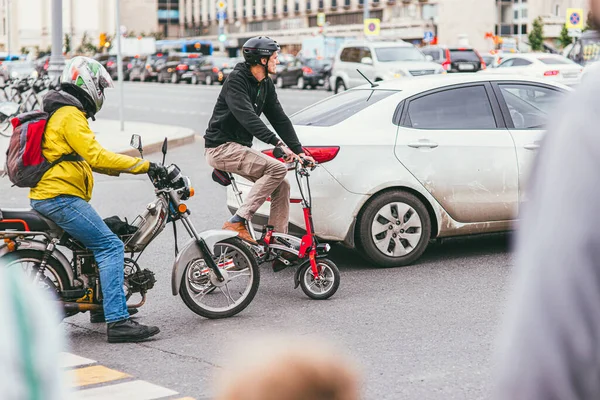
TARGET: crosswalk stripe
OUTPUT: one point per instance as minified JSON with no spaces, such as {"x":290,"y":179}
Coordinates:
{"x":134,"y":390}
{"x":94,"y":375}
{"x":68,"y":360}
{"x":111,"y":384}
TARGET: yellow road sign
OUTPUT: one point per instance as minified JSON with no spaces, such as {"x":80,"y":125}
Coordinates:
{"x":372,"y":26}
{"x":574,"y":18}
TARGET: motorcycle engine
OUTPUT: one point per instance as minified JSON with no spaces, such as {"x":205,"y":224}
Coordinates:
{"x":141,"y":281}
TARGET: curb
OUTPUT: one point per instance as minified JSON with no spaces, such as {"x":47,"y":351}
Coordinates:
{"x":157,"y":147}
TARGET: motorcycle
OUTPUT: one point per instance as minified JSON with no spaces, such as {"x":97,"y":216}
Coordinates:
{"x":215,"y":273}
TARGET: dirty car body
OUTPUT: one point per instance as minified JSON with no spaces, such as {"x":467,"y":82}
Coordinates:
{"x":449,"y":154}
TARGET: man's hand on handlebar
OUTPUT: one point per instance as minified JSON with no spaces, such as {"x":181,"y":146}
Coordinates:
{"x":306,"y":161}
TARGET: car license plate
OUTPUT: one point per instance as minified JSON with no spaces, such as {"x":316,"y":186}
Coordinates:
{"x":466,"y":67}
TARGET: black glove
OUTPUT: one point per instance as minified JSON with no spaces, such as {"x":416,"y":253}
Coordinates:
{"x":157,"y":170}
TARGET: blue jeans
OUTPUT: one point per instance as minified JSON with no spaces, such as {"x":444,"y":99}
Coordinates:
{"x":76,"y":217}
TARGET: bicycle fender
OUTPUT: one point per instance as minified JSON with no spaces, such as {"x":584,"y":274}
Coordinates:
{"x":191,"y":251}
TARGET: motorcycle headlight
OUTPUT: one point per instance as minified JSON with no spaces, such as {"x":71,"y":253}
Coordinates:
{"x":14,"y":74}
{"x":34,"y":74}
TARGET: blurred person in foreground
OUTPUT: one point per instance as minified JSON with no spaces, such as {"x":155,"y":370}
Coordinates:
{"x":30,"y":341}
{"x":274,"y":369}
{"x":550,"y":347}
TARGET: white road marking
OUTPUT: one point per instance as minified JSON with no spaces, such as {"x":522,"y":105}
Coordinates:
{"x":68,"y":360}
{"x":134,"y":390}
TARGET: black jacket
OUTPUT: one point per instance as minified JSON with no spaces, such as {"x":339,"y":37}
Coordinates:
{"x":236,"y":117}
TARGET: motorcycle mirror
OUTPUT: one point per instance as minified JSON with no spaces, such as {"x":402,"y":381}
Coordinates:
{"x":136,"y":143}
{"x":164,"y":150}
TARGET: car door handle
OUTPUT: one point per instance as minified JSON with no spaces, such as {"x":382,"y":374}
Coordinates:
{"x":532,"y":146}
{"x":423,"y":144}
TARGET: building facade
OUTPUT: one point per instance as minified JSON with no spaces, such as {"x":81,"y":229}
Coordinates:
{"x":30,"y":21}
{"x":454,"y":21}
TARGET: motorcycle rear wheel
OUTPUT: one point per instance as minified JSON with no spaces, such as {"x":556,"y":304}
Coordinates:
{"x":200,"y":291}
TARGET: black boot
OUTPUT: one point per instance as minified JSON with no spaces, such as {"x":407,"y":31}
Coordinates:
{"x":129,"y":331}
{"x":98,"y":316}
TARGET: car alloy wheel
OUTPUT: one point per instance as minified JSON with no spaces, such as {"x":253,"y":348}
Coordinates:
{"x":174,"y":78}
{"x":394,"y":229}
{"x":208,"y":80}
{"x":280,"y":82}
{"x":300,"y":83}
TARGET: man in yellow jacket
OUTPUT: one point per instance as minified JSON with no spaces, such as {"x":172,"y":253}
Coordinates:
{"x":63,"y":193}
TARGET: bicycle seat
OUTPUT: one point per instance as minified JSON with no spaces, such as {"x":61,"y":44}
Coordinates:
{"x":221,"y":177}
{"x":27,"y":220}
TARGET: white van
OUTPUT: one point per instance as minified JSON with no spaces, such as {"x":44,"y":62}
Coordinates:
{"x":378,"y":61}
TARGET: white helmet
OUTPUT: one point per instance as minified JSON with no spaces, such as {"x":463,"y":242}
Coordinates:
{"x":90,"y":76}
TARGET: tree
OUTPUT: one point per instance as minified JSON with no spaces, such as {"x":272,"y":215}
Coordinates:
{"x":536,"y":37}
{"x":24,"y":50}
{"x":564,"y":37}
{"x":86,"y":45}
{"x":157,"y":35}
{"x":67,"y":44}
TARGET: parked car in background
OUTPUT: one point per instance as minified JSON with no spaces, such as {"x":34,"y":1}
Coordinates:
{"x":586,"y":49}
{"x":316,"y":72}
{"x":177,"y":68}
{"x":136,"y":67}
{"x":41,"y":65}
{"x":149,"y":71}
{"x":456,"y":59}
{"x":112,"y":67}
{"x":551,"y":67}
{"x":378,"y":61}
{"x":289,"y":73}
{"x":408,"y":134}
{"x":216,"y":69}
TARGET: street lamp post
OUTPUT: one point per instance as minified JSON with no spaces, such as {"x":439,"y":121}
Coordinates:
{"x":57,"y":61}
{"x":365,"y":10}
{"x":8,"y":37}
{"x":119,"y":62}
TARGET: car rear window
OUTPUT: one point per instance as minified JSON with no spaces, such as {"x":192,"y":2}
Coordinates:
{"x":339,"y":108}
{"x":555,"y":61}
{"x":463,"y":55}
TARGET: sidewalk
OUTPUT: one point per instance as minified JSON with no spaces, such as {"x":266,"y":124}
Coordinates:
{"x":109,"y":135}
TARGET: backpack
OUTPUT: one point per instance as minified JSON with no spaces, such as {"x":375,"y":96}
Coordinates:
{"x":25,"y":163}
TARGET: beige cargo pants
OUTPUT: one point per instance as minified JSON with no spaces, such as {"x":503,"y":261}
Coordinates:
{"x":267,"y":174}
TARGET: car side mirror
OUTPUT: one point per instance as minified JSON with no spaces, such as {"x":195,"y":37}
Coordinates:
{"x":136,"y":143}
{"x":367,"y":61}
{"x":429,"y":57}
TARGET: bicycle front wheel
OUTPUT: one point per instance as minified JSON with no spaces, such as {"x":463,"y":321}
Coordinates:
{"x":209,"y":298}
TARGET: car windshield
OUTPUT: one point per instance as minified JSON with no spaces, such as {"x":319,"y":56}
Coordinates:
{"x":20,"y":66}
{"x":339,"y":108}
{"x":463,"y":55}
{"x":391,"y":54}
{"x":556,"y":61}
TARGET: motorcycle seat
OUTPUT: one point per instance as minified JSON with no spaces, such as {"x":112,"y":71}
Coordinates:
{"x":25,"y":219}
{"x":221,"y":177}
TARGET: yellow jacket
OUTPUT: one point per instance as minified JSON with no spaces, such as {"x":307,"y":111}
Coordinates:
{"x":68,"y":132}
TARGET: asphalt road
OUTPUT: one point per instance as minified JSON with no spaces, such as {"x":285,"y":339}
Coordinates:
{"x":419,"y":332}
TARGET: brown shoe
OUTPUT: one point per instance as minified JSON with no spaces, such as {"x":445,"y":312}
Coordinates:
{"x":240,"y":228}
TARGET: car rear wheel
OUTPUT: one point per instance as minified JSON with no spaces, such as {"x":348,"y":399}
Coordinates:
{"x":280,"y":82}
{"x":208,"y":80}
{"x":300,"y":83}
{"x":174,"y":78}
{"x":340,"y":86}
{"x":194,"y":80}
{"x":394,"y":229}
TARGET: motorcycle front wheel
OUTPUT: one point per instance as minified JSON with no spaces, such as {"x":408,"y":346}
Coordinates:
{"x":209,"y":298}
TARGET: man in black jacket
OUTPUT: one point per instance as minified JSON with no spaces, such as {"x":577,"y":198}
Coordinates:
{"x":247,"y":93}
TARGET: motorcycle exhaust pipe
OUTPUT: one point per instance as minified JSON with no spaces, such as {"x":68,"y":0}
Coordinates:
{"x":83,"y":307}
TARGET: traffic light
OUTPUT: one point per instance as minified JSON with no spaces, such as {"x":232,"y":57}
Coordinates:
{"x":102,"y":39}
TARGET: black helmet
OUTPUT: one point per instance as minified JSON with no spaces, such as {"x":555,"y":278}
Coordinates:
{"x":259,"y":47}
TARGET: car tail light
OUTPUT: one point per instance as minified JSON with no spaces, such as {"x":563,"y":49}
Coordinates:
{"x":446,"y":65}
{"x":182,"y":67}
{"x":320,"y":154}
{"x":148,"y":67}
{"x":307,"y":70}
{"x":551,"y":73}
{"x":130,"y":65}
{"x":215,"y":70}
{"x":110,"y":63}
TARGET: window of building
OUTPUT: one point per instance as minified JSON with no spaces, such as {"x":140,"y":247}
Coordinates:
{"x":557,"y":10}
{"x":352,"y":18}
{"x":308,"y":5}
{"x":297,"y":5}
